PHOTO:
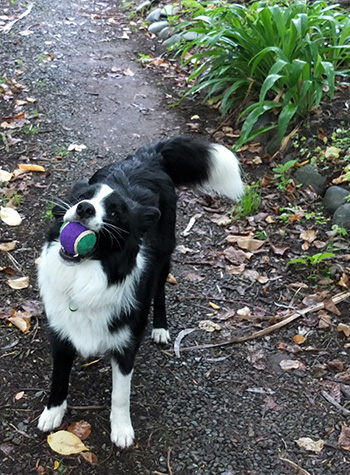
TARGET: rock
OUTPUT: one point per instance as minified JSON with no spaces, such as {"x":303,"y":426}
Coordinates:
{"x":309,"y":175}
{"x":157,"y":26}
{"x":334,"y":197}
{"x":172,"y":41}
{"x":341,"y":216}
{"x":154,"y":15}
{"x":273,"y":145}
{"x":165,"y":33}
{"x":143,"y":6}
{"x":191,"y":35}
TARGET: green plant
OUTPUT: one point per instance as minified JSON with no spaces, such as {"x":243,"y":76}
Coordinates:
{"x":280,"y":56}
{"x":30,"y":129}
{"x":281,"y":173}
{"x":313,"y":260}
{"x":249,"y":203}
{"x":339,"y":231}
{"x":62,"y":151}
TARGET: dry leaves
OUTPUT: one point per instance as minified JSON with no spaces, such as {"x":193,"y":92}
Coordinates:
{"x":65,"y":443}
{"x":10,"y":216}
{"x":19,"y":283}
{"x":310,"y":445}
{"x":81,"y":429}
{"x":8,"y":246}
{"x":292,"y":364}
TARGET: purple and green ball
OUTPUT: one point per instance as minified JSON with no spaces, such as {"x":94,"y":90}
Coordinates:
{"x":77,"y":239}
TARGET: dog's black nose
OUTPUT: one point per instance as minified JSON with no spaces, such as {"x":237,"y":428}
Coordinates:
{"x":85,"y":210}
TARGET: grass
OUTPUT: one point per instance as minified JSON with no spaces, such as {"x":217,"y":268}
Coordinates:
{"x":249,"y":203}
{"x":269,"y":56}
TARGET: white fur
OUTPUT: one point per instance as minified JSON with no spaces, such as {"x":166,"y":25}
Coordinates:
{"x":51,"y":418}
{"x":225,"y":176}
{"x":160,"y":335}
{"x":122,"y":432}
{"x":84,"y":287}
{"x":96,"y":222}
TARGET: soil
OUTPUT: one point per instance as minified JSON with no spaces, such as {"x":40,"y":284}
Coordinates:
{"x":224,"y":410}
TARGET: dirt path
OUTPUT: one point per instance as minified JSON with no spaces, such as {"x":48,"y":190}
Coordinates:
{"x":232,"y":411}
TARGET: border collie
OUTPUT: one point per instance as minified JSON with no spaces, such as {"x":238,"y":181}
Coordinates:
{"x":99,"y":304}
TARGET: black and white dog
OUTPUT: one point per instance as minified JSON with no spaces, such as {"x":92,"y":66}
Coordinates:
{"x":99,"y":304}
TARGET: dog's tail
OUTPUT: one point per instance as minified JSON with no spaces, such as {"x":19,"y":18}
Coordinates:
{"x":191,"y":161}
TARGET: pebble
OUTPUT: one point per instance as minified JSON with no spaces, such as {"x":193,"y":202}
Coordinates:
{"x":334,"y":197}
{"x":154,"y":15}
{"x":309,"y":175}
{"x":143,"y":6}
{"x":157,"y":26}
{"x":164,"y":33}
{"x":341,"y":216}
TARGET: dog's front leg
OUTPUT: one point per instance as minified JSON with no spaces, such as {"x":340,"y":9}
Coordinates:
{"x":122,"y":432}
{"x":63,"y":356}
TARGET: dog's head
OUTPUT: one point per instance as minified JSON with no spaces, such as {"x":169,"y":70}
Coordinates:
{"x":117,"y":220}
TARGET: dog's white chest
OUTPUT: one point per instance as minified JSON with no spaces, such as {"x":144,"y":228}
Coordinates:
{"x":80,"y":303}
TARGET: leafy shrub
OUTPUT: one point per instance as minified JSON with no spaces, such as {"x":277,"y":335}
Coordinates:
{"x":279,"y":56}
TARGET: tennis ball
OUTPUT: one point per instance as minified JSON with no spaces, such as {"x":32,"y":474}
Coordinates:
{"x":77,"y":239}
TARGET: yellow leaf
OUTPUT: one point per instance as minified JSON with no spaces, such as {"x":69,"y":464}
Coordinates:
{"x":310,"y":445}
{"x":299,"y":339}
{"x":65,"y":443}
{"x":332,"y":152}
{"x":214,"y":306}
{"x":56,"y":465}
{"x":22,"y":323}
{"x":8,"y":246}
{"x":171,"y":279}
{"x":10,"y":216}
{"x":31,"y":168}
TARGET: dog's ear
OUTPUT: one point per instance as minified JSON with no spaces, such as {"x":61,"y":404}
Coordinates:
{"x":147,"y":216}
{"x":78,"y":187}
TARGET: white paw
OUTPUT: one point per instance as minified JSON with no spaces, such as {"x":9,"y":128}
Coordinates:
{"x":160,"y":335}
{"x":122,"y":434}
{"x":52,"y":418}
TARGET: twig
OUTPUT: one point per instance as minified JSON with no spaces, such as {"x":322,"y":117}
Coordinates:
{"x":9,"y":25}
{"x":21,"y":431}
{"x":293,"y":464}
{"x":314,"y":308}
{"x":168,"y":462}
{"x":330,"y":399}
{"x":86,"y":408}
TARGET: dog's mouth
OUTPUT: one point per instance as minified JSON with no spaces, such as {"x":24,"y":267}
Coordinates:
{"x":66,"y":256}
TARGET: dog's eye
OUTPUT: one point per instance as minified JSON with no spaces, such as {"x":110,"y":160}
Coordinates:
{"x":112,"y":214}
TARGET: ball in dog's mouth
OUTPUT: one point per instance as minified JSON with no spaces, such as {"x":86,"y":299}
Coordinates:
{"x":77,"y":241}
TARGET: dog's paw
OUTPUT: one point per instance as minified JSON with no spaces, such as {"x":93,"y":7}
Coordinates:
{"x":52,"y":418}
{"x":160,"y":335}
{"x":122,"y":435}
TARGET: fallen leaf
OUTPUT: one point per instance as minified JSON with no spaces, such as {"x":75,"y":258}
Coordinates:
{"x":309,"y":235}
{"x":76,"y":148}
{"x":56,"y":464}
{"x":270,"y":403}
{"x":332,"y":152}
{"x":324,"y":319}
{"x":279,"y":250}
{"x":299,"y":339}
{"x":128,"y":72}
{"x":344,"y":328}
{"x":244,"y":312}
{"x":8,"y":246}
{"x":310,"y":445}
{"x":171,"y":279}
{"x":344,"y":437}
{"x":214,"y":306}
{"x":21,"y":323}
{"x":5,"y":176}
{"x":194,"y":277}
{"x":235,"y":270}
{"x":10,"y":216}
{"x":220,"y":219}
{"x":236,"y":256}
{"x":65,"y":443}
{"x":292,"y":364}
{"x":343,"y":282}
{"x":89,"y":457}
{"x":209,"y":326}
{"x":344,"y":376}
{"x":18,"y":284}
{"x":183,"y":249}
{"x":31,"y":168}
{"x":179,"y":338}
{"x":81,"y":429}
{"x":19,"y":395}
{"x":245,"y":242}
{"x":337,"y":365}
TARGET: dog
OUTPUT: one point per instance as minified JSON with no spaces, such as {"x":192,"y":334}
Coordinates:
{"x":98,"y":304}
